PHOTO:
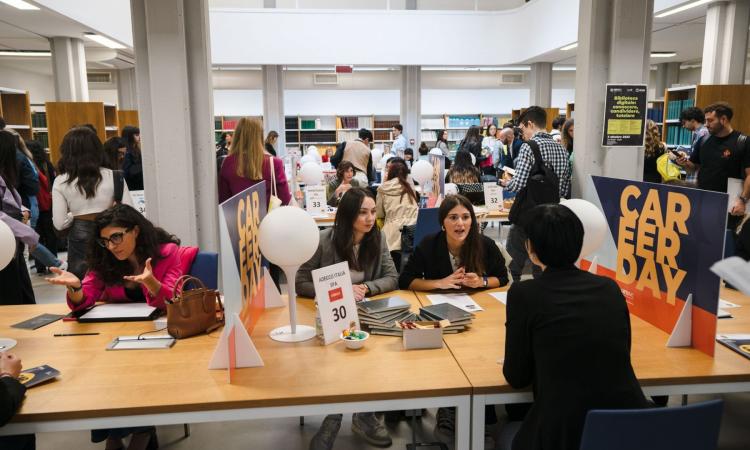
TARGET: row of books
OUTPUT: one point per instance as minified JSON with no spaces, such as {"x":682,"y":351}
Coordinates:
{"x":385,"y":123}
{"x":42,"y":138}
{"x":383,"y":135}
{"x":383,"y":316}
{"x":675,"y":107}
{"x":354,"y":122}
{"x":433,"y":124}
{"x":463,"y":121}
{"x":39,"y":119}
{"x":348,"y":135}
{"x":656,"y":113}
{"x":318,"y":136}
{"x":676,"y":135}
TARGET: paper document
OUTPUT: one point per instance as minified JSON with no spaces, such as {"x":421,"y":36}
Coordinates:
{"x":119,"y":311}
{"x":508,"y":170}
{"x":726,"y":304}
{"x":461,"y":301}
{"x":723,"y":314}
{"x":734,"y":189}
{"x":736,"y":271}
{"x":502,"y":297}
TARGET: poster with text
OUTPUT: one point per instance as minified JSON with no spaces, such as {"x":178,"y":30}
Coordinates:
{"x":243,"y":214}
{"x":662,"y":241}
{"x":624,"y":115}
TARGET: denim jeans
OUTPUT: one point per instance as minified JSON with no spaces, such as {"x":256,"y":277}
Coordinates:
{"x":45,"y":256}
{"x":516,"y":247}
{"x":33,"y":211}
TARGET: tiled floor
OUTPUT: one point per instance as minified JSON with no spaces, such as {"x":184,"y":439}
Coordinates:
{"x":288,"y":434}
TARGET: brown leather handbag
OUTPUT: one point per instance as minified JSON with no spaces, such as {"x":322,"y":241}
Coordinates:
{"x":194,"y":311}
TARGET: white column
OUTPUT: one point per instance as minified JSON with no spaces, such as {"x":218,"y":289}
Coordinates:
{"x":411,"y":104}
{"x":541,"y":84}
{"x":273,"y":104}
{"x":173,"y":71}
{"x":667,"y":74}
{"x":725,"y":42}
{"x":69,"y":69}
{"x":614,"y":46}
{"x":127,"y":94}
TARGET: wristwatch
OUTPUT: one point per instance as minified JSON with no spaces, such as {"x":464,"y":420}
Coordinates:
{"x":744,"y":199}
{"x":486,"y":281}
{"x":74,"y":290}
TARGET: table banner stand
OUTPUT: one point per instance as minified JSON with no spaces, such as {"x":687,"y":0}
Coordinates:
{"x":682,"y":332}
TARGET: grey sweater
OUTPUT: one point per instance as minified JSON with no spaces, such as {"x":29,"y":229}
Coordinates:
{"x":380,"y":277}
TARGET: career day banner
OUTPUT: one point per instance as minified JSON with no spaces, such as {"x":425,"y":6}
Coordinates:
{"x":243,"y":214}
{"x":663,"y":241}
{"x":624,"y":115}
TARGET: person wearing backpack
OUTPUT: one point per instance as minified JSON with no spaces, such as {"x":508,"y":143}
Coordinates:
{"x":542,"y":175}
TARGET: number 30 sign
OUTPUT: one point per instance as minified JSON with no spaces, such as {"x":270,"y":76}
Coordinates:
{"x":335,"y":298}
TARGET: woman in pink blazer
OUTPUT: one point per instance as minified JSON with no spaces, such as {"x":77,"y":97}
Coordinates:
{"x":129,"y":260}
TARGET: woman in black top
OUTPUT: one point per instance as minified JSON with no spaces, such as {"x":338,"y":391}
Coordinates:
{"x":132,"y":164}
{"x":457,"y":257}
{"x":472,"y":143}
{"x":653,"y":149}
{"x":270,"y":144}
{"x":567,"y":334}
{"x":11,"y":397}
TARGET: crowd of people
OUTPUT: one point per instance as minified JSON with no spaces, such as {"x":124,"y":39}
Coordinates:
{"x":115,"y":254}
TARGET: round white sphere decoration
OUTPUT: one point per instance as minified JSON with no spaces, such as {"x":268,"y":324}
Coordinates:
{"x":313,"y":151}
{"x":421,"y":171}
{"x":289,"y":237}
{"x":451,"y":189}
{"x":594,"y":224}
{"x":436,"y":151}
{"x":311,"y":173}
{"x":306,"y":159}
{"x":377,"y":155}
{"x":7,"y":245}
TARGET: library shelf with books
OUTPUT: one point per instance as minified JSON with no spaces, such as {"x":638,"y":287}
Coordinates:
{"x":62,"y":116}
{"x":224,"y":124}
{"x":457,"y":125}
{"x":111,"y":121}
{"x":16,"y":110}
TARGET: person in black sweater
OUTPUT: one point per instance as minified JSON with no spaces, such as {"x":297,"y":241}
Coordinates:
{"x":11,"y":396}
{"x":567,"y":334}
{"x":458,"y":257}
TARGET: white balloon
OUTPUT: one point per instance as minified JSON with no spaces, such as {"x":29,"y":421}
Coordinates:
{"x":421,"y":171}
{"x":7,"y":245}
{"x":288,"y":236}
{"x":594,"y":224}
{"x":376,"y":154}
{"x":313,"y":151}
{"x":308,"y":158}
{"x":451,"y":189}
{"x":311,"y":173}
{"x":436,"y":151}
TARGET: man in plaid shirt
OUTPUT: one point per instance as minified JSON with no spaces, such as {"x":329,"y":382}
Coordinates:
{"x":532,"y":123}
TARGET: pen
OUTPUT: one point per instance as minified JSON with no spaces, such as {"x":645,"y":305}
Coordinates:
{"x":75,"y":334}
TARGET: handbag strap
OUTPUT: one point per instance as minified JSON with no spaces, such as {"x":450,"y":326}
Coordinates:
{"x":180,"y":284}
{"x":273,"y":176}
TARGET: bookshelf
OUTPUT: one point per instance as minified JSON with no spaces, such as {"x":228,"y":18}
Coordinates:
{"x":39,"y":125}
{"x":325,"y":132}
{"x":127,"y":117}
{"x":223,"y":124}
{"x":570,"y":110}
{"x":456,"y":125}
{"x":62,"y":116}
{"x":111,"y":124}
{"x":702,"y":95}
{"x":16,"y":110}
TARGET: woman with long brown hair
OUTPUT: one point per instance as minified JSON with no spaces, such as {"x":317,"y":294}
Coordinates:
{"x":397,"y":204}
{"x":270,"y":144}
{"x":652,"y":150}
{"x":343,"y":182}
{"x":247,"y":164}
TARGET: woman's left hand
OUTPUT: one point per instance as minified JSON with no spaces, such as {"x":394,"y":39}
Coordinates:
{"x":472,"y":280}
{"x":146,"y":276}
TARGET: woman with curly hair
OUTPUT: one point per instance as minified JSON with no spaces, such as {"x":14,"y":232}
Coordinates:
{"x":653,"y":149}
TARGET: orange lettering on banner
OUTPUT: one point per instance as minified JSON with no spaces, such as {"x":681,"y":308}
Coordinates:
{"x":251,"y":269}
{"x":625,"y":254}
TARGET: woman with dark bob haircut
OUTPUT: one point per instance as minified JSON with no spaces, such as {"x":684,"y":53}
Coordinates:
{"x":567,"y":334}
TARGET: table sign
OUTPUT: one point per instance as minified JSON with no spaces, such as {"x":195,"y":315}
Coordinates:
{"x":315,"y":200}
{"x":493,"y":196}
{"x":335,"y":298}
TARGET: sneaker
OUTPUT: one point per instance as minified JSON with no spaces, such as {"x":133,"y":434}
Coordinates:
{"x":326,"y":435}
{"x":371,"y":429}
{"x":445,"y":425}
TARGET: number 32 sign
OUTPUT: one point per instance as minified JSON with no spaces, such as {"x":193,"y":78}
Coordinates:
{"x":335,"y":298}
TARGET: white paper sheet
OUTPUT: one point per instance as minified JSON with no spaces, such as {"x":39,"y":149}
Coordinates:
{"x":119,"y":311}
{"x":461,"y":301}
{"x":734,"y":189}
{"x":726,"y":304}
{"x":502,"y":297}
{"x":736,"y":271}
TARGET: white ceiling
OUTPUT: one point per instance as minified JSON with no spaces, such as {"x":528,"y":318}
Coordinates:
{"x":453,"y":5}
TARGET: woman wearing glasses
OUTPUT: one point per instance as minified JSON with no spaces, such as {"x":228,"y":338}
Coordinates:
{"x":130,"y":260}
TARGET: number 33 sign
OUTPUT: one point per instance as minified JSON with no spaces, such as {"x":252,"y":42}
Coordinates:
{"x":335,"y":297}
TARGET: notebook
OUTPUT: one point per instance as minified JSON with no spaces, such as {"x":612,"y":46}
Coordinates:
{"x":120,"y":312}
{"x":383,"y":305}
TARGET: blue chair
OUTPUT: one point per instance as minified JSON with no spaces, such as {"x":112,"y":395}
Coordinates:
{"x":206,"y":268}
{"x":691,"y":427}
{"x":427,"y":223}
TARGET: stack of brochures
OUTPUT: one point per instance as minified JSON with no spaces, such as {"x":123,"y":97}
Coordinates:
{"x":460,"y":320}
{"x":381,"y":316}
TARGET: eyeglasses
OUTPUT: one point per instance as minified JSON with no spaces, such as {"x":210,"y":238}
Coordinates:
{"x":114,"y":238}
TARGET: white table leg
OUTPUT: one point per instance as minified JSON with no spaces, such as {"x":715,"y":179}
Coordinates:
{"x":478,"y":403}
{"x":463,"y":422}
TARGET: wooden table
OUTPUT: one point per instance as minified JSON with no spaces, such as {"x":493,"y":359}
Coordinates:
{"x":105,"y":389}
{"x":660,"y":370}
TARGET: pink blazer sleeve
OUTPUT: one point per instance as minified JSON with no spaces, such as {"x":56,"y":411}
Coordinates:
{"x":93,"y":288}
{"x":282,"y":187}
{"x":168,"y":270}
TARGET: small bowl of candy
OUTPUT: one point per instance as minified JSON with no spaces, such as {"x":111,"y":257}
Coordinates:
{"x":354,"y":339}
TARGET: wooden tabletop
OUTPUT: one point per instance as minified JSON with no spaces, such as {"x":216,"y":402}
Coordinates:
{"x":99,"y":383}
{"x":479,"y":349}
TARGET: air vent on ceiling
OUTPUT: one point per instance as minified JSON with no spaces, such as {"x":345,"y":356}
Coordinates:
{"x":325,"y":78}
{"x":511,"y":78}
{"x":99,"y":77}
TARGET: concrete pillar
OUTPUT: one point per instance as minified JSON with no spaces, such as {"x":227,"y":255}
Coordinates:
{"x":614,"y":46}
{"x":667,"y":74}
{"x":173,"y":70}
{"x":269,"y":3}
{"x":411,"y":5}
{"x":69,"y":69}
{"x":725,"y":42}
{"x":127,"y":93}
{"x":541,"y":84}
{"x":411,"y":104}
{"x":273,"y":104}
